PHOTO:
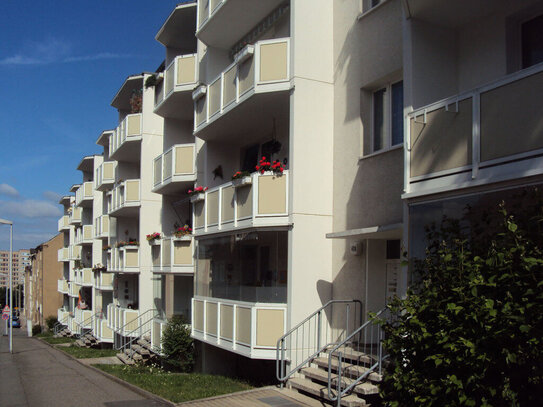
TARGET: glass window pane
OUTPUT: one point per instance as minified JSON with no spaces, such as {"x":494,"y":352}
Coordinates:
{"x":532,"y":42}
{"x":379,"y":119}
{"x":397,"y":113}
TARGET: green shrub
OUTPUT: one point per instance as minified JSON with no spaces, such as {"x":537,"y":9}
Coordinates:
{"x":36,"y":329}
{"x":470,"y":331}
{"x":177,"y":345}
{"x":50,"y":322}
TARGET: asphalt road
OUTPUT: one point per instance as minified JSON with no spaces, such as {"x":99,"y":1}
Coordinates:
{"x":37,"y":375}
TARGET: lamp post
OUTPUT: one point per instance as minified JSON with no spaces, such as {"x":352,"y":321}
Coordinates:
{"x":10,"y":223}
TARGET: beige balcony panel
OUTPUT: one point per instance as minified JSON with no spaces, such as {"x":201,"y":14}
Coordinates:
{"x":273,"y":62}
{"x":132,"y":190}
{"x":243,"y":325}
{"x":158,"y":170}
{"x":168,"y":165}
{"x":229,"y":90}
{"x":186,"y":70}
{"x":512,"y":118}
{"x":166,"y":252}
{"x":444,"y":142}
{"x":198,"y":214}
{"x":156,"y":332}
{"x":88,"y":189}
{"x":170,"y":78}
{"x":272,"y":194}
{"x":107,"y":279}
{"x":134,"y":125}
{"x":214,"y":97}
{"x":155,"y":255}
{"x":246,"y":75}
{"x":227,"y":204}
{"x":182,"y":254}
{"x":184,"y":160}
{"x":212,"y":200}
{"x":131,"y":258}
{"x":105,"y":223}
{"x":87,"y":232}
{"x":211,"y":318}
{"x":198,"y":320}
{"x":227,"y":321}
{"x":87,"y":276}
{"x":130,"y":320}
{"x":270,"y":325}
{"x":245,"y":201}
{"x":107,"y":333}
{"x":108,"y":170}
{"x":201,"y":110}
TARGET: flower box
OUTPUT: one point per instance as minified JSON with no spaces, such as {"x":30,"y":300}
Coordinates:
{"x":154,"y":242}
{"x":197,"y":197}
{"x":129,"y":247}
{"x":241,"y":182}
{"x":185,"y":238}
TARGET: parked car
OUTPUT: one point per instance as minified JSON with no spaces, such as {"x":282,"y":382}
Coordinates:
{"x":15,"y":323}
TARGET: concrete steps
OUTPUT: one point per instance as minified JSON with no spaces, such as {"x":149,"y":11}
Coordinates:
{"x":321,"y":391}
{"x":140,"y":351}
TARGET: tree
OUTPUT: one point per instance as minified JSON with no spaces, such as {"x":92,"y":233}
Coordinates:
{"x":177,"y":344}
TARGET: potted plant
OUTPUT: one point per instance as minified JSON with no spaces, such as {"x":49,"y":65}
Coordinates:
{"x":197,"y":194}
{"x":241,"y":178}
{"x":153,"y":237}
{"x":183,"y":233}
{"x":99,"y":267}
{"x":276,"y":167}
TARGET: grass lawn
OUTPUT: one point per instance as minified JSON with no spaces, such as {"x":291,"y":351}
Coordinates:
{"x":84,"y":353}
{"x":176,"y":387}
{"x":54,"y":341}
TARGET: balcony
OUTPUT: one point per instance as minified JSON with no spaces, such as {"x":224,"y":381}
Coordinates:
{"x":75,"y":215}
{"x":490,"y":134}
{"x":74,"y":252}
{"x":73,"y":289}
{"x":64,"y":254}
{"x":105,"y":175}
{"x":84,"y":194}
{"x":123,"y":321}
{"x":103,"y":281}
{"x":62,"y":315}
{"x":64,"y":223}
{"x":260,"y":200}
{"x":260,"y":72}
{"x":250,"y":329}
{"x":62,"y":287}
{"x":215,"y":18}
{"x":125,"y":198}
{"x":101,"y":227}
{"x":175,"y":170}
{"x":173,"y":255}
{"x":125,"y":142}
{"x":102,"y":331}
{"x":84,"y":277}
{"x":173,"y":96}
{"x":83,"y":235}
{"x":82,"y":319}
{"x":124,"y":259}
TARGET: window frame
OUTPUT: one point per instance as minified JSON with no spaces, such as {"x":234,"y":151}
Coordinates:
{"x":387,"y":140}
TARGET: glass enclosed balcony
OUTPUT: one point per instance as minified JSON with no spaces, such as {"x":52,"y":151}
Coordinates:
{"x":175,"y":169}
{"x":125,"y":141}
{"x":125,"y":198}
{"x":105,"y":175}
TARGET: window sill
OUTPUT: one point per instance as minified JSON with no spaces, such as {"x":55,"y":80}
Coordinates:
{"x":380,"y":152}
{"x":371,"y":10}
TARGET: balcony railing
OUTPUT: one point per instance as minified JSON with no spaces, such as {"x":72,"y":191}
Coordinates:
{"x":103,"y":281}
{"x":83,"y":235}
{"x":125,"y":195}
{"x":102,"y":331}
{"x":64,"y":223}
{"x":84,"y":194}
{"x":174,"y":255}
{"x":181,"y":75}
{"x":105,"y":175}
{"x":490,"y":134}
{"x":122,"y":321}
{"x":260,"y":68}
{"x":101,"y":227}
{"x":84,"y":277}
{"x":258,"y":200}
{"x":62,"y":287}
{"x":62,"y":314}
{"x":75,"y":215}
{"x":175,"y":168}
{"x":73,"y":289}
{"x":124,"y":259}
{"x":74,"y":252}
{"x":64,"y":254}
{"x":250,"y":329}
{"x":129,"y":130}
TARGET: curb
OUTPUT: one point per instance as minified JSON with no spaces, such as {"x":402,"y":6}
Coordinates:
{"x":130,"y":386}
{"x":222,"y":396}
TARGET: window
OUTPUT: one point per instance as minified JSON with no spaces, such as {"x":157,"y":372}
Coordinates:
{"x":531,"y":33}
{"x":369,"y":4}
{"x":387,"y":118}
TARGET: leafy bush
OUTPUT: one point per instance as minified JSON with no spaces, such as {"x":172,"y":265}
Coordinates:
{"x":36,"y":329}
{"x":470,"y":332}
{"x":177,"y":345}
{"x":50,"y":322}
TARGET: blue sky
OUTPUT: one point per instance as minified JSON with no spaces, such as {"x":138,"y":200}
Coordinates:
{"x":61,"y":63}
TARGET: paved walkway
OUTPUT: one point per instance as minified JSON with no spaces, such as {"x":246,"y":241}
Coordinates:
{"x":37,"y":375}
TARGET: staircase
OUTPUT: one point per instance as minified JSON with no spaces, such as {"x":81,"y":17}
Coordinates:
{"x":87,"y":340}
{"x":135,"y":345}
{"x":343,"y":371}
{"x":139,"y":352}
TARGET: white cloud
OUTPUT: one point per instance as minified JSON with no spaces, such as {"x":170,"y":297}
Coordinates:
{"x":29,"y":208}
{"x":52,"y":196}
{"x":8,"y":190}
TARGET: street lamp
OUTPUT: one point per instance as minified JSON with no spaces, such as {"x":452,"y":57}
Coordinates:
{"x":10,"y":223}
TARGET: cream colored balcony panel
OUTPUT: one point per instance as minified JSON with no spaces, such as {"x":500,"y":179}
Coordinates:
{"x":101,"y":227}
{"x":105,"y":175}
{"x":174,"y":255}
{"x":64,"y":254}
{"x":105,"y":281}
{"x":75,"y":216}
{"x":253,"y":89}
{"x":85,"y":194}
{"x":126,"y":198}
{"x":249,"y":329}
{"x":175,"y":169}
{"x":215,"y":18}
{"x":489,"y":134}
{"x":262,"y":202}
{"x":62,"y":315}
{"x":180,"y":79}
{"x":73,"y":289}
{"x":84,"y":235}
{"x":125,"y":142}
{"x":74,"y":252}
{"x":64,"y":223}
{"x":124,"y":260}
{"x":62,"y":286}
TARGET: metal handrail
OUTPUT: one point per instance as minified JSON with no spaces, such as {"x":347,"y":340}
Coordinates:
{"x":59,"y":324}
{"x":363,"y":329}
{"x":87,"y":321}
{"x":128,"y":338}
{"x":281,"y":373}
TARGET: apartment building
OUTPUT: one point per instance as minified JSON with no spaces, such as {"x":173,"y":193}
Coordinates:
{"x":20,"y":260}
{"x":41,"y":297}
{"x":324,"y":136}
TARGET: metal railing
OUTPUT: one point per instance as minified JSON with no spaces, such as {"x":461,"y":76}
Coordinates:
{"x":145,"y":324}
{"x":84,"y":325}
{"x":302,"y":343}
{"x":363,"y":349}
{"x":60,"y":324}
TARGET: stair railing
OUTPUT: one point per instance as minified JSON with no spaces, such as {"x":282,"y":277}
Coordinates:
{"x":145,"y":323}
{"x":364,"y":349}
{"x":59,"y":324}
{"x":305,"y":341}
{"x":84,"y":324}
